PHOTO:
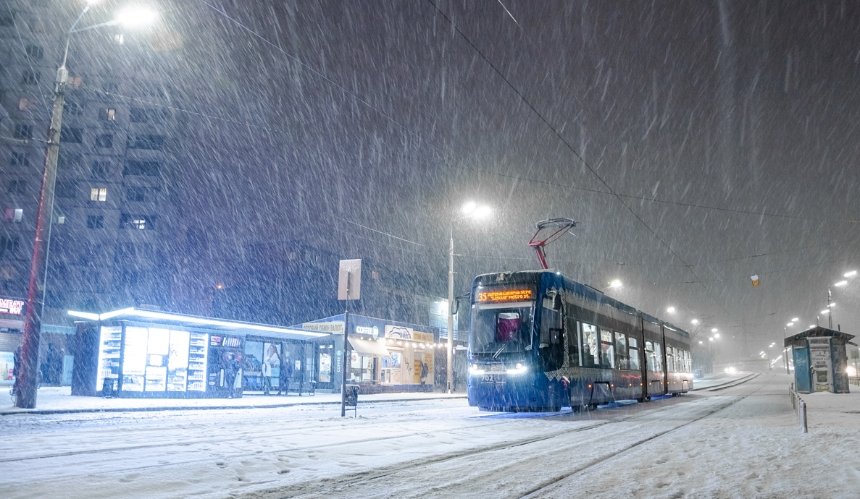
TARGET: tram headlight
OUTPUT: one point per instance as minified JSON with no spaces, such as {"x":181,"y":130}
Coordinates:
{"x":475,"y":370}
{"x":519,"y":368}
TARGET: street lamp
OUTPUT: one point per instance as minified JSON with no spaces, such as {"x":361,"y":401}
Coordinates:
{"x":25,"y":395}
{"x":473,"y":211}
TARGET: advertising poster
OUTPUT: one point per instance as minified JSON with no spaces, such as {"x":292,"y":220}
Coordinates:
{"x":156,"y":362}
{"x":134,"y":359}
{"x":325,"y":367}
{"x":177,"y":361}
{"x":272,"y":356}
{"x":7,"y":362}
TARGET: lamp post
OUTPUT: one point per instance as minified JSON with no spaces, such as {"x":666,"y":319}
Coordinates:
{"x":25,"y":395}
{"x":474,"y":211}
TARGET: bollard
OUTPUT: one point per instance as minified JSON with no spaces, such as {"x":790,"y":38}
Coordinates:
{"x":803,"y":416}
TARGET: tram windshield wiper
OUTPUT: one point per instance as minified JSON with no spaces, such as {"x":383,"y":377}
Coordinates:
{"x":499,"y":350}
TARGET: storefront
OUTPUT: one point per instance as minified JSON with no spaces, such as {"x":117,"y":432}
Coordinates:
{"x":144,"y":353}
{"x":11,"y":325}
{"x":385,"y":356}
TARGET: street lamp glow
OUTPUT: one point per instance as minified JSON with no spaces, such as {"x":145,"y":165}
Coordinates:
{"x":850,"y":274}
{"x":717,"y":335}
{"x":711,"y":339}
{"x":471,"y":210}
{"x":714,"y":330}
{"x":615,"y":284}
{"x":670,"y":309}
{"x":790,"y":324}
{"x":136,"y":17}
{"x":794,"y":319}
{"x":695,"y":322}
{"x":841,"y":283}
{"x":825,"y":311}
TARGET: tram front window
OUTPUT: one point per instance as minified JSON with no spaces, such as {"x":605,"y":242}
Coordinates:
{"x":498,"y":330}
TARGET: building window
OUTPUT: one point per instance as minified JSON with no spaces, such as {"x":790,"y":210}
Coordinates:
{"x":135,"y":194}
{"x":35,"y":52}
{"x":13,"y":215}
{"x":95,"y":221}
{"x":66,"y":189}
{"x":109,"y":114}
{"x":146,"y":168}
{"x":104,"y":140}
{"x":30,"y":77}
{"x":72,"y":107}
{"x":72,"y":135}
{"x":23,"y":104}
{"x":23,"y":131}
{"x":16,"y":187}
{"x":139,"y":222}
{"x":101,"y":169}
{"x":8,"y":246}
{"x":151,"y":142}
{"x":18,"y":159}
{"x":98,"y":194}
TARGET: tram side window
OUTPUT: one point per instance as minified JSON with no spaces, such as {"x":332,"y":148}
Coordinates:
{"x":650,"y":358}
{"x":633,"y":350}
{"x":687,"y":367}
{"x":658,"y":356}
{"x":552,"y":332}
{"x":607,"y":350}
{"x":574,"y":340}
{"x":590,"y":354}
{"x":621,"y":350}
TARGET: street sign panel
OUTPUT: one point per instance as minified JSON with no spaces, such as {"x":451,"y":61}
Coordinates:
{"x":349,"y":280}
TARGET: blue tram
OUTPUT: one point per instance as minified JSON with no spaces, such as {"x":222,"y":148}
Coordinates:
{"x":540,"y":341}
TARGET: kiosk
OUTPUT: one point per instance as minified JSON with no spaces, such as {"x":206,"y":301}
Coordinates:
{"x":820,"y":360}
{"x":145,"y":353}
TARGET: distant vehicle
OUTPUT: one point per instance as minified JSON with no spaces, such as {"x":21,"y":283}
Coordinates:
{"x":539,"y":341}
{"x":697,"y":374}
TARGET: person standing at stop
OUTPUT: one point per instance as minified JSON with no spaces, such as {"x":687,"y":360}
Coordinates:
{"x":285,"y":374}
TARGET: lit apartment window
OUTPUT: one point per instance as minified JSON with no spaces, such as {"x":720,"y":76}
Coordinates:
{"x":98,"y":194}
{"x":109,"y":114}
{"x":13,"y":215}
{"x":23,"y":104}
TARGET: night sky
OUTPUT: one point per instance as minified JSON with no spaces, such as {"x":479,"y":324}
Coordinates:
{"x":695,"y":143}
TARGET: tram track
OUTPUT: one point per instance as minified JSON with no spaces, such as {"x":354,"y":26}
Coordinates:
{"x":536,"y":490}
{"x":515,"y":455}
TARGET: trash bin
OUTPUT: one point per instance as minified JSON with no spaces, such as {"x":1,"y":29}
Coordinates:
{"x":350,"y":398}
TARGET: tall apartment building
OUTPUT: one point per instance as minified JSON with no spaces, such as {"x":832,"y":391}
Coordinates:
{"x":110,"y":236}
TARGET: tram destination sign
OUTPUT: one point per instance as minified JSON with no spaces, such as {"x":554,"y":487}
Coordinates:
{"x":505,"y":295}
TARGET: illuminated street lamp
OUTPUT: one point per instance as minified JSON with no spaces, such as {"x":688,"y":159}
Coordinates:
{"x":474,"y":211}
{"x":25,"y":395}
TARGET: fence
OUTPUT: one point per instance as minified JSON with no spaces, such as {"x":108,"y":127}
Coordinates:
{"x":799,"y":407}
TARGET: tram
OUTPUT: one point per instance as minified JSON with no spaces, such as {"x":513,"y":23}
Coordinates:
{"x":539,"y":341}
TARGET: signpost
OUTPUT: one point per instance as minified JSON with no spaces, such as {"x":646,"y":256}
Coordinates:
{"x":348,"y":288}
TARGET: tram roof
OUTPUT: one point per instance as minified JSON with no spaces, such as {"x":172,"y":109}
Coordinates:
{"x":240,"y":328}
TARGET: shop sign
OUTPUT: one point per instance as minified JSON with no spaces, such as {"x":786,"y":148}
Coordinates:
{"x":12,"y":307}
{"x":324,"y":327}
{"x":368,"y":330}
{"x":399,"y":332}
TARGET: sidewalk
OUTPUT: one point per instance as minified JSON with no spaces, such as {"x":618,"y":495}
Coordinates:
{"x":58,"y":400}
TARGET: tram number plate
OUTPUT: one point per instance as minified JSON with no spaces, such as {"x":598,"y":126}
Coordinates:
{"x":493,"y":378}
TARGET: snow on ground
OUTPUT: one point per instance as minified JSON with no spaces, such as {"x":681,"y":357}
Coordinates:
{"x":743,"y":441}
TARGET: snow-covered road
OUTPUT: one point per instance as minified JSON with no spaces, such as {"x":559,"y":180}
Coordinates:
{"x":738,"y":442}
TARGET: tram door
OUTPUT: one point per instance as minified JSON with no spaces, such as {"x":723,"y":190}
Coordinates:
{"x":802,"y":372}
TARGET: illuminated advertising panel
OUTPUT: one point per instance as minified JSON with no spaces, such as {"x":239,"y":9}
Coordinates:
{"x":504,"y":295}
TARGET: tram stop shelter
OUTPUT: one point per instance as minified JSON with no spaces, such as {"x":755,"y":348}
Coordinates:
{"x":820,"y":360}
